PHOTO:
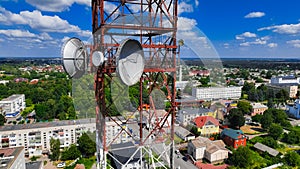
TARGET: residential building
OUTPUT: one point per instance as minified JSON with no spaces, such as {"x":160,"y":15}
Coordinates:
{"x":291,"y":88}
{"x":294,"y":110}
{"x":181,"y":84}
{"x":12,"y":158}
{"x":36,"y":137}
{"x":186,"y":115}
{"x":285,"y":80}
{"x":125,"y":156}
{"x":212,"y":93}
{"x":183,"y":133}
{"x":203,"y":148}
{"x":152,"y":118}
{"x":233,"y":138}
{"x":263,"y":148}
{"x":206,"y":125}
{"x":199,"y":73}
{"x":258,"y":108}
{"x":13,"y":105}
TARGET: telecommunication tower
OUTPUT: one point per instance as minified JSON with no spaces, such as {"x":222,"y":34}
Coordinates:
{"x":134,"y":40}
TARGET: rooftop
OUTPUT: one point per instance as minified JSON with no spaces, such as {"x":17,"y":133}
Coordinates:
{"x":47,"y":124}
{"x":205,"y":120}
{"x":124,"y":151}
{"x":8,"y":155}
{"x":258,"y":105}
{"x":232,"y":133}
{"x":13,"y":97}
{"x":265,"y":148}
{"x":182,"y":131}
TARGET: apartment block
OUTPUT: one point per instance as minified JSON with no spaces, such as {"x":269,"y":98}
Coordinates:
{"x":13,"y":105}
{"x":213,"y":93}
{"x":12,"y":158}
{"x":35,"y":138}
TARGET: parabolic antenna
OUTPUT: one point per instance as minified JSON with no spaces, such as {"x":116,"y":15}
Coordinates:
{"x":74,"y":56}
{"x":97,"y":58}
{"x":130,"y":61}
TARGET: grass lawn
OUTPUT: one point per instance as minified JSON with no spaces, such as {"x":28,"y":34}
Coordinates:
{"x":87,"y":162}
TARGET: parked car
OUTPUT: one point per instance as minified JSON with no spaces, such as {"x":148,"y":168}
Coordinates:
{"x":61,"y":165}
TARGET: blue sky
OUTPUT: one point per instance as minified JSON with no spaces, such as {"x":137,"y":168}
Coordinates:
{"x":236,"y":28}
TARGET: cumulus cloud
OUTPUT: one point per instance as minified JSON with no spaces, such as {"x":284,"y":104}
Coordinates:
{"x":245,"y":35}
{"x":283,"y":29}
{"x":272,"y":45}
{"x":255,"y":15}
{"x":15,"y":33}
{"x":258,"y":41}
{"x":36,"y":20}
{"x":185,"y":24}
{"x":294,"y":43}
{"x":184,"y":7}
{"x":56,"y":5}
{"x":9,"y":18}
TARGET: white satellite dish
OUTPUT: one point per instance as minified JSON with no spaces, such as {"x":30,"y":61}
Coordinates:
{"x":130,"y":61}
{"x":74,"y":56}
{"x":97,"y":58}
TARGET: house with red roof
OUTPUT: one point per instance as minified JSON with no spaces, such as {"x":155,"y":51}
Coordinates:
{"x":206,"y":125}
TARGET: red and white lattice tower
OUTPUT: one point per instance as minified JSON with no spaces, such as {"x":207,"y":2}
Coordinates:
{"x":153,"y":23}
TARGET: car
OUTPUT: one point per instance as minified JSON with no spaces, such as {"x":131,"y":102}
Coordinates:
{"x":61,"y":165}
{"x":184,"y":158}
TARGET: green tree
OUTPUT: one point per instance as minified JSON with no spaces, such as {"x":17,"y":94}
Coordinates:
{"x":270,"y":103}
{"x":86,"y":145}
{"x":71,"y":153}
{"x":266,"y":120}
{"x":292,"y":159}
{"x":236,"y":118}
{"x":257,"y":118}
{"x":293,"y":137}
{"x":269,"y":141}
{"x":282,"y":95}
{"x":245,"y":107}
{"x":269,"y":75}
{"x":275,"y":131}
{"x":194,"y":130}
{"x":242,"y":157}
{"x":2,"y":120}
{"x":55,"y":149}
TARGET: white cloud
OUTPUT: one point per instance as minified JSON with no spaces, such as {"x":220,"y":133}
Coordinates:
{"x":226,"y":45}
{"x":15,"y":33}
{"x":245,"y":35}
{"x":185,"y":24}
{"x":258,"y":41}
{"x":40,"y":22}
{"x":9,"y":18}
{"x":294,"y":43}
{"x":283,"y":29}
{"x":184,"y":7}
{"x":255,"y":15}
{"x":56,"y":5}
{"x":272,"y":45}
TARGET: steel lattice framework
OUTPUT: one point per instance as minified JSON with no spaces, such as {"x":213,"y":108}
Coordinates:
{"x":154,"y":24}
